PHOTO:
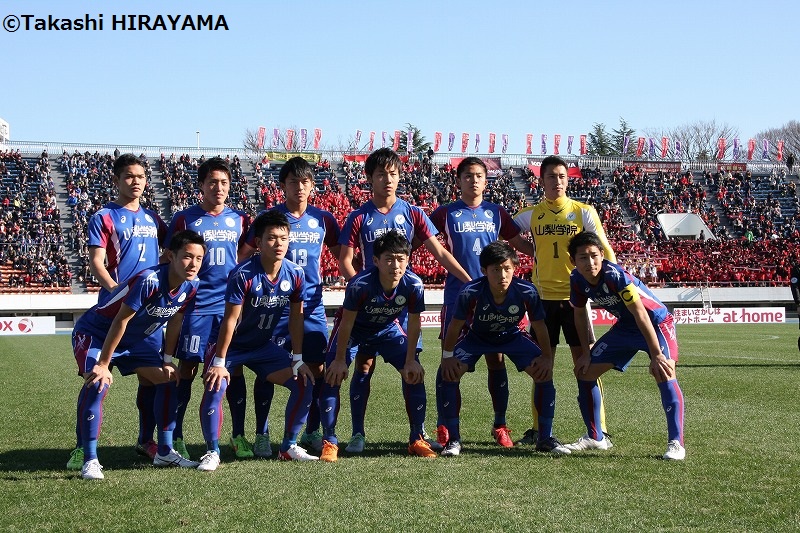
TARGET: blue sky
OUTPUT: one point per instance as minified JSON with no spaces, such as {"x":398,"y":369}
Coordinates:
{"x":511,"y":67}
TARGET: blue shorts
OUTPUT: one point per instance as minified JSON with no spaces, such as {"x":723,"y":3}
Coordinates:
{"x":391,"y":345}
{"x":315,"y":337}
{"x":263,"y":360}
{"x":619,"y":345}
{"x":87,"y":351}
{"x":522,"y":350}
{"x":197,"y":332}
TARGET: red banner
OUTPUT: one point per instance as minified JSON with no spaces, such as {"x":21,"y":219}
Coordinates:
{"x":780,"y":150}
{"x":371,"y":141}
{"x":732,"y":167}
{"x":262,"y":132}
{"x":289,"y":139}
{"x":721,"y":148}
{"x":639,"y":146}
{"x":464,"y":142}
{"x":583,"y":144}
{"x":396,"y":143}
{"x":493,"y":164}
{"x":751,"y":147}
{"x":492,"y":138}
{"x":655,"y":166}
{"x":437,"y":141}
{"x":317,"y":137}
{"x":528,"y":142}
{"x":556,"y":142}
{"x":664,"y":142}
{"x":355,"y":157}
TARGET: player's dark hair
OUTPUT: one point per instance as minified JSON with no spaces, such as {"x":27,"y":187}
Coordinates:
{"x":393,"y":242}
{"x":269,"y":219}
{"x":182,"y":238}
{"x":468,"y":162}
{"x":210,"y":165}
{"x":124,"y":161}
{"x":498,"y":252}
{"x":297,"y":166}
{"x":382,"y":158}
{"x":583,"y":238}
{"x":551,"y":161}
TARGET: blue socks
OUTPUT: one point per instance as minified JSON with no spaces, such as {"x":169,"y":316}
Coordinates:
{"x":90,"y":409}
{"x":544,"y":398}
{"x":359,"y":394}
{"x":263,"y":391}
{"x":498,"y":390}
{"x":672,"y":401}
{"x":211,"y":416}
{"x":237,"y":403}
{"x":590,"y":402}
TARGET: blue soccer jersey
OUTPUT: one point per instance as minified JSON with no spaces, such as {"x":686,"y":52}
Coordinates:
{"x":367,"y":223}
{"x":615,"y":289}
{"x":262,"y":300}
{"x":307,"y":235}
{"x":223,"y":233}
{"x":149,"y":295}
{"x":131,"y":240}
{"x":376,"y":310}
{"x":497,"y":323}
{"x":467,"y":230}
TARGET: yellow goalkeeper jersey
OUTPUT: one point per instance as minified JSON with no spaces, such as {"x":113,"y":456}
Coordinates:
{"x":552,"y":224}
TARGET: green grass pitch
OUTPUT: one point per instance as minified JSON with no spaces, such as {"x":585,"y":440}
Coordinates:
{"x":741,"y":472}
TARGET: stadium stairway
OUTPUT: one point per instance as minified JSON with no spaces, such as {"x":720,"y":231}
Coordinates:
{"x":60,"y":182}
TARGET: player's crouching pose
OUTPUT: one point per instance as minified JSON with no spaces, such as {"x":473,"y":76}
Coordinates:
{"x":487,"y":319}
{"x":126,"y":332}
{"x":643,"y":323}
{"x":258,"y":290}
{"x":368,"y":325}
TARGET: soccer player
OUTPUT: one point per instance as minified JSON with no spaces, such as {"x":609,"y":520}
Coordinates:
{"x":382,"y":213}
{"x":643,"y":323}
{"x":552,"y":222}
{"x":125,"y":238}
{"x":368,"y":324}
{"x":468,"y":225}
{"x":794,"y":283}
{"x":311,"y":228}
{"x":126,"y":332}
{"x":488,"y":316}
{"x":224,"y":231}
{"x":258,"y":290}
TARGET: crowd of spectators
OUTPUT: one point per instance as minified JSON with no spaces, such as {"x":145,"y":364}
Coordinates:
{"x":762,"y":212}
{"x":32,"y":247}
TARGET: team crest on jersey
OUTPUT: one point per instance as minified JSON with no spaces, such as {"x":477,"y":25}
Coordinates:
{"x":285,"y":285}
{"x":198,"y":222}
{"x":400,"y":300}
{"x":148,"y":218}
{"x":229,"y":222}
{"x":488,"y":214}
{"x":514,"y":309}
{"x":571,"y":216}
{"x":182,"y":297}
{"x":313,"y":223}
{"x":399,"y":219}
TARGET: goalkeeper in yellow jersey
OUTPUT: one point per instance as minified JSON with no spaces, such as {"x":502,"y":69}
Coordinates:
{"x":552,"y":223}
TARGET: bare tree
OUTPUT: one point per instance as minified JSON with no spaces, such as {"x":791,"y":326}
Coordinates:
{"x":699,"y":140}
{"x":789,"y":133}
{"x":250,"y":140}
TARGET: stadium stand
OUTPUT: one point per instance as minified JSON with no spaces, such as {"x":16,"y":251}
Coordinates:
{"x":754,"y":217}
